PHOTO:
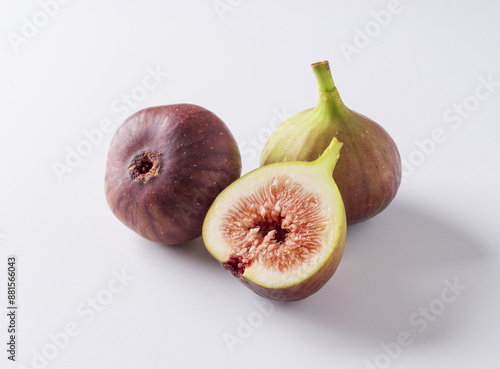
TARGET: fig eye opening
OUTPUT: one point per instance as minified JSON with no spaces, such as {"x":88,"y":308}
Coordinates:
{"x":144,"y":166}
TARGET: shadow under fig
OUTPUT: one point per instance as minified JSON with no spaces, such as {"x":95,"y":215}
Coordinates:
{"x":392,"y":265}
{"x":192,"y":253}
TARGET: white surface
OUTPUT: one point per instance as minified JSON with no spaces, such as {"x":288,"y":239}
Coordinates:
{"x":251,"y":67}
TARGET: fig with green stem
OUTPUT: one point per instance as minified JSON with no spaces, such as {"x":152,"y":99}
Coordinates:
{"x":368,"y":173}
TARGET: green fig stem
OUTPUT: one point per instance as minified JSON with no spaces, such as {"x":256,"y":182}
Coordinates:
{"x":330,"y":104}
{"x":330,"y":156}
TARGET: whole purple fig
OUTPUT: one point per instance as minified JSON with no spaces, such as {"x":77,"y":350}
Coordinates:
{"x":165,"y":167}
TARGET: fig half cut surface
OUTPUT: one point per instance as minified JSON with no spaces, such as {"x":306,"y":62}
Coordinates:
{"x":280,"y":229}
{"x":166,"y":165}
{"x":369,"y":170}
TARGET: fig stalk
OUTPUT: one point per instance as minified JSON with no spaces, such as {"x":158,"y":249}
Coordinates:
{"x":330,"y":105}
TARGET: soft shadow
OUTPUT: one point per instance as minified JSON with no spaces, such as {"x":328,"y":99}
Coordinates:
{"x":193,"y":253}
{"x":392,"y":265}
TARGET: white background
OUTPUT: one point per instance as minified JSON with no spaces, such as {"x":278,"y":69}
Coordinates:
{"x":250,"y":64}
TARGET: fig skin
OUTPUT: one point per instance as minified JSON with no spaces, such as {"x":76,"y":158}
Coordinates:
{"x":369,"y":171}
{"x":165,"y":167}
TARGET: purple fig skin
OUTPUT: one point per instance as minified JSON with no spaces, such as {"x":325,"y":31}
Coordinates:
{"x":165,"y":167}
{"x":369,"y":172}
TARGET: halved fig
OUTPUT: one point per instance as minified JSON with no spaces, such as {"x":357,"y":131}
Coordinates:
{"x":281,"y":228}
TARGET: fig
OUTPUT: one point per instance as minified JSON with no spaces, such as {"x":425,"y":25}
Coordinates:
{"x":280,"y":229}
{"x":165,"y":166}
{"x":368,"y":173}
